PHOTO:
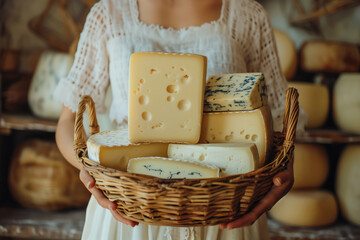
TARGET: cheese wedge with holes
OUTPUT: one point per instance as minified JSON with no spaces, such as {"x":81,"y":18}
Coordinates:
{"x":232,"y":158}
{"x":235,"y":92}
{"x":170,"y":168}
{"x":166,"y":97}
{"x":253,"y":126}
{"x":113,"y":149}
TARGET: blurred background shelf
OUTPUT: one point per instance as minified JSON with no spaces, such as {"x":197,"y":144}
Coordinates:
{"x":10,"y":122}
{"x":327,"y":136}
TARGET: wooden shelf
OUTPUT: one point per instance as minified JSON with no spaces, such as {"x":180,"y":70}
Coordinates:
{"x":25,"y":122}
{"x":327,"y":136}
{"x":27,"y":223}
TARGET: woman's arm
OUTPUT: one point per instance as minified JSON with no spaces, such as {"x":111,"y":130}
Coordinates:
{"x":64,"y":140}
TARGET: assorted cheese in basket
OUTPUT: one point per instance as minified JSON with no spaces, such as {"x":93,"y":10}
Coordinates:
{"x":171,"y":111}
{"x":170,"y":168}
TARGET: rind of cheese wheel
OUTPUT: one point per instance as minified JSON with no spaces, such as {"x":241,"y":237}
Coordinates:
{"x":287,"y":54}
{"x":346,"y":102}
{"x":333,"y":57}
{"x":166,"y":94}
{"x":315,"y":100}
{"x":235,"y":92}
{"x":232,"y":158}
{"x":347,"y":183}
{"x":306,"y":208}
{"x":311,"y":165}
{"x":170,"y":168}
{"x":113,"y":149}
{"x":244,"y":126}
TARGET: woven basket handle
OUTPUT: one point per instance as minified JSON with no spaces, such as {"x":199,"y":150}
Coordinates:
{"x":79,"y":131}
{"x":290,"y":116}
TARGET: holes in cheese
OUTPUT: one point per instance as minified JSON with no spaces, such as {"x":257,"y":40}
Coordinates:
{"x":170,"y":168}
{"x":233,"y":158}
{"x":174,"y":93}
{"x":113,"y":149}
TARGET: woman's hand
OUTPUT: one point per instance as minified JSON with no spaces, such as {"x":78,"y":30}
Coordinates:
{"x":89,"y":182}
{"x":283,"y":182}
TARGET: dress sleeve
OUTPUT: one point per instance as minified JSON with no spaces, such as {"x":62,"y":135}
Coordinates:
{"x":264,"y":58}
{"x":89,"y":72}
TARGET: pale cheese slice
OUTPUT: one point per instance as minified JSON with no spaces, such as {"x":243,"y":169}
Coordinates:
{"x":170,"y":168}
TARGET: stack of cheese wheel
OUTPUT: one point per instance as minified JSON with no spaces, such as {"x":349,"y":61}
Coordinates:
{"x":315,"y":100}
{"x":307,"y":205}
{"x":172,"y":134}
{"x":347,"y":183}
{"x":41,"y":178}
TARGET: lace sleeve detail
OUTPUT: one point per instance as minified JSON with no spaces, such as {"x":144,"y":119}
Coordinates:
{"x":264,"y":58}
{"x":89,"y":72}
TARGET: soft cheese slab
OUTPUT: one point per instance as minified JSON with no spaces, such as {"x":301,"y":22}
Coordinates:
{"x":244,"y":126}
{"x":113,"y":149}
{"x":170,"y":168}
{"x":166,"y":97}
{"x":232,"y":158}
{"x":235,"y":92}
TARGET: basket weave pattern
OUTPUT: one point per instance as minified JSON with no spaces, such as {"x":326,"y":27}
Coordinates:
{"x":187,"y":202}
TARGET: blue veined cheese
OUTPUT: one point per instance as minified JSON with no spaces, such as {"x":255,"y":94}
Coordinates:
{"x":232,"y":158}
{"x":170,"y":168}
{"x":235,"y":92}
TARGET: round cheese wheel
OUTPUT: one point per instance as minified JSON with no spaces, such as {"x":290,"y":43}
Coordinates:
{"x":347,"y":183}
{"x":306,"y":208}
{"x":315,"y":100}
{"x":287,"y":54}
{"x":51,"y":67}
{"x":311,"y":165}
{"x":346,"y":102}
{"x":41,"y":178}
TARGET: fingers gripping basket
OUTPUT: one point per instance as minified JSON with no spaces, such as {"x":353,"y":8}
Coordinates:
{"x":187,"y":202}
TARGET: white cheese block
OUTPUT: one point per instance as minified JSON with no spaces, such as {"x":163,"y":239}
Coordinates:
{"x":287,"y":54}
{"x":348,"y":184}
{"x":306,"y":208}
{"x":232,"y":158}
{"x":113,"y":149}
{"x":170,"y":168}
{"x":253,"y":126}
{"x":315,"y":100}
{"x":311,"y":165}
{"x":346,"y":102}
{"x":235,"y":92}
{"x":51,"y":67}
{"x":166,"y":97}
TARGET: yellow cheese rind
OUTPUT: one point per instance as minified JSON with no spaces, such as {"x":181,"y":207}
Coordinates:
{"x":232,"y":158}
{"x":170,"y":168}
{"x":311,"y":166}
{"x":113,"y":149}
{"x":306,"y":208}
{"x":315,"y":100}
{"x":166,"y":93}
{"x":244,"y":126}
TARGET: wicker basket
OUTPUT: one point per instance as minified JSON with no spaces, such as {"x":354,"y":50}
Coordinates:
{"x":187,"y":202}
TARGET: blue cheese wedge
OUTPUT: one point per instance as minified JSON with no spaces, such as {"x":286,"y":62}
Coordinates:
{"x":170,"y":168}
{"x":235,"y":92}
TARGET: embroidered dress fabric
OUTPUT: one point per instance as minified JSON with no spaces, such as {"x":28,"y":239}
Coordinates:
{"x":241,"y":40}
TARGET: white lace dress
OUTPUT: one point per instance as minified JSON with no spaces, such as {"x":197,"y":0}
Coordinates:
{"x":241,"y":40}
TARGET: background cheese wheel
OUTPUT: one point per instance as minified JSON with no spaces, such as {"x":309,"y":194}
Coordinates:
{"x":306,"y":208}
{"x":315,"y":100}
{"x":346,"y":102}
{"x":333,"y":57}
{"x":287,"y":54}
{"x":311,"y":165}
{"x":348,"y":184}
{"x":41,"y":178}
